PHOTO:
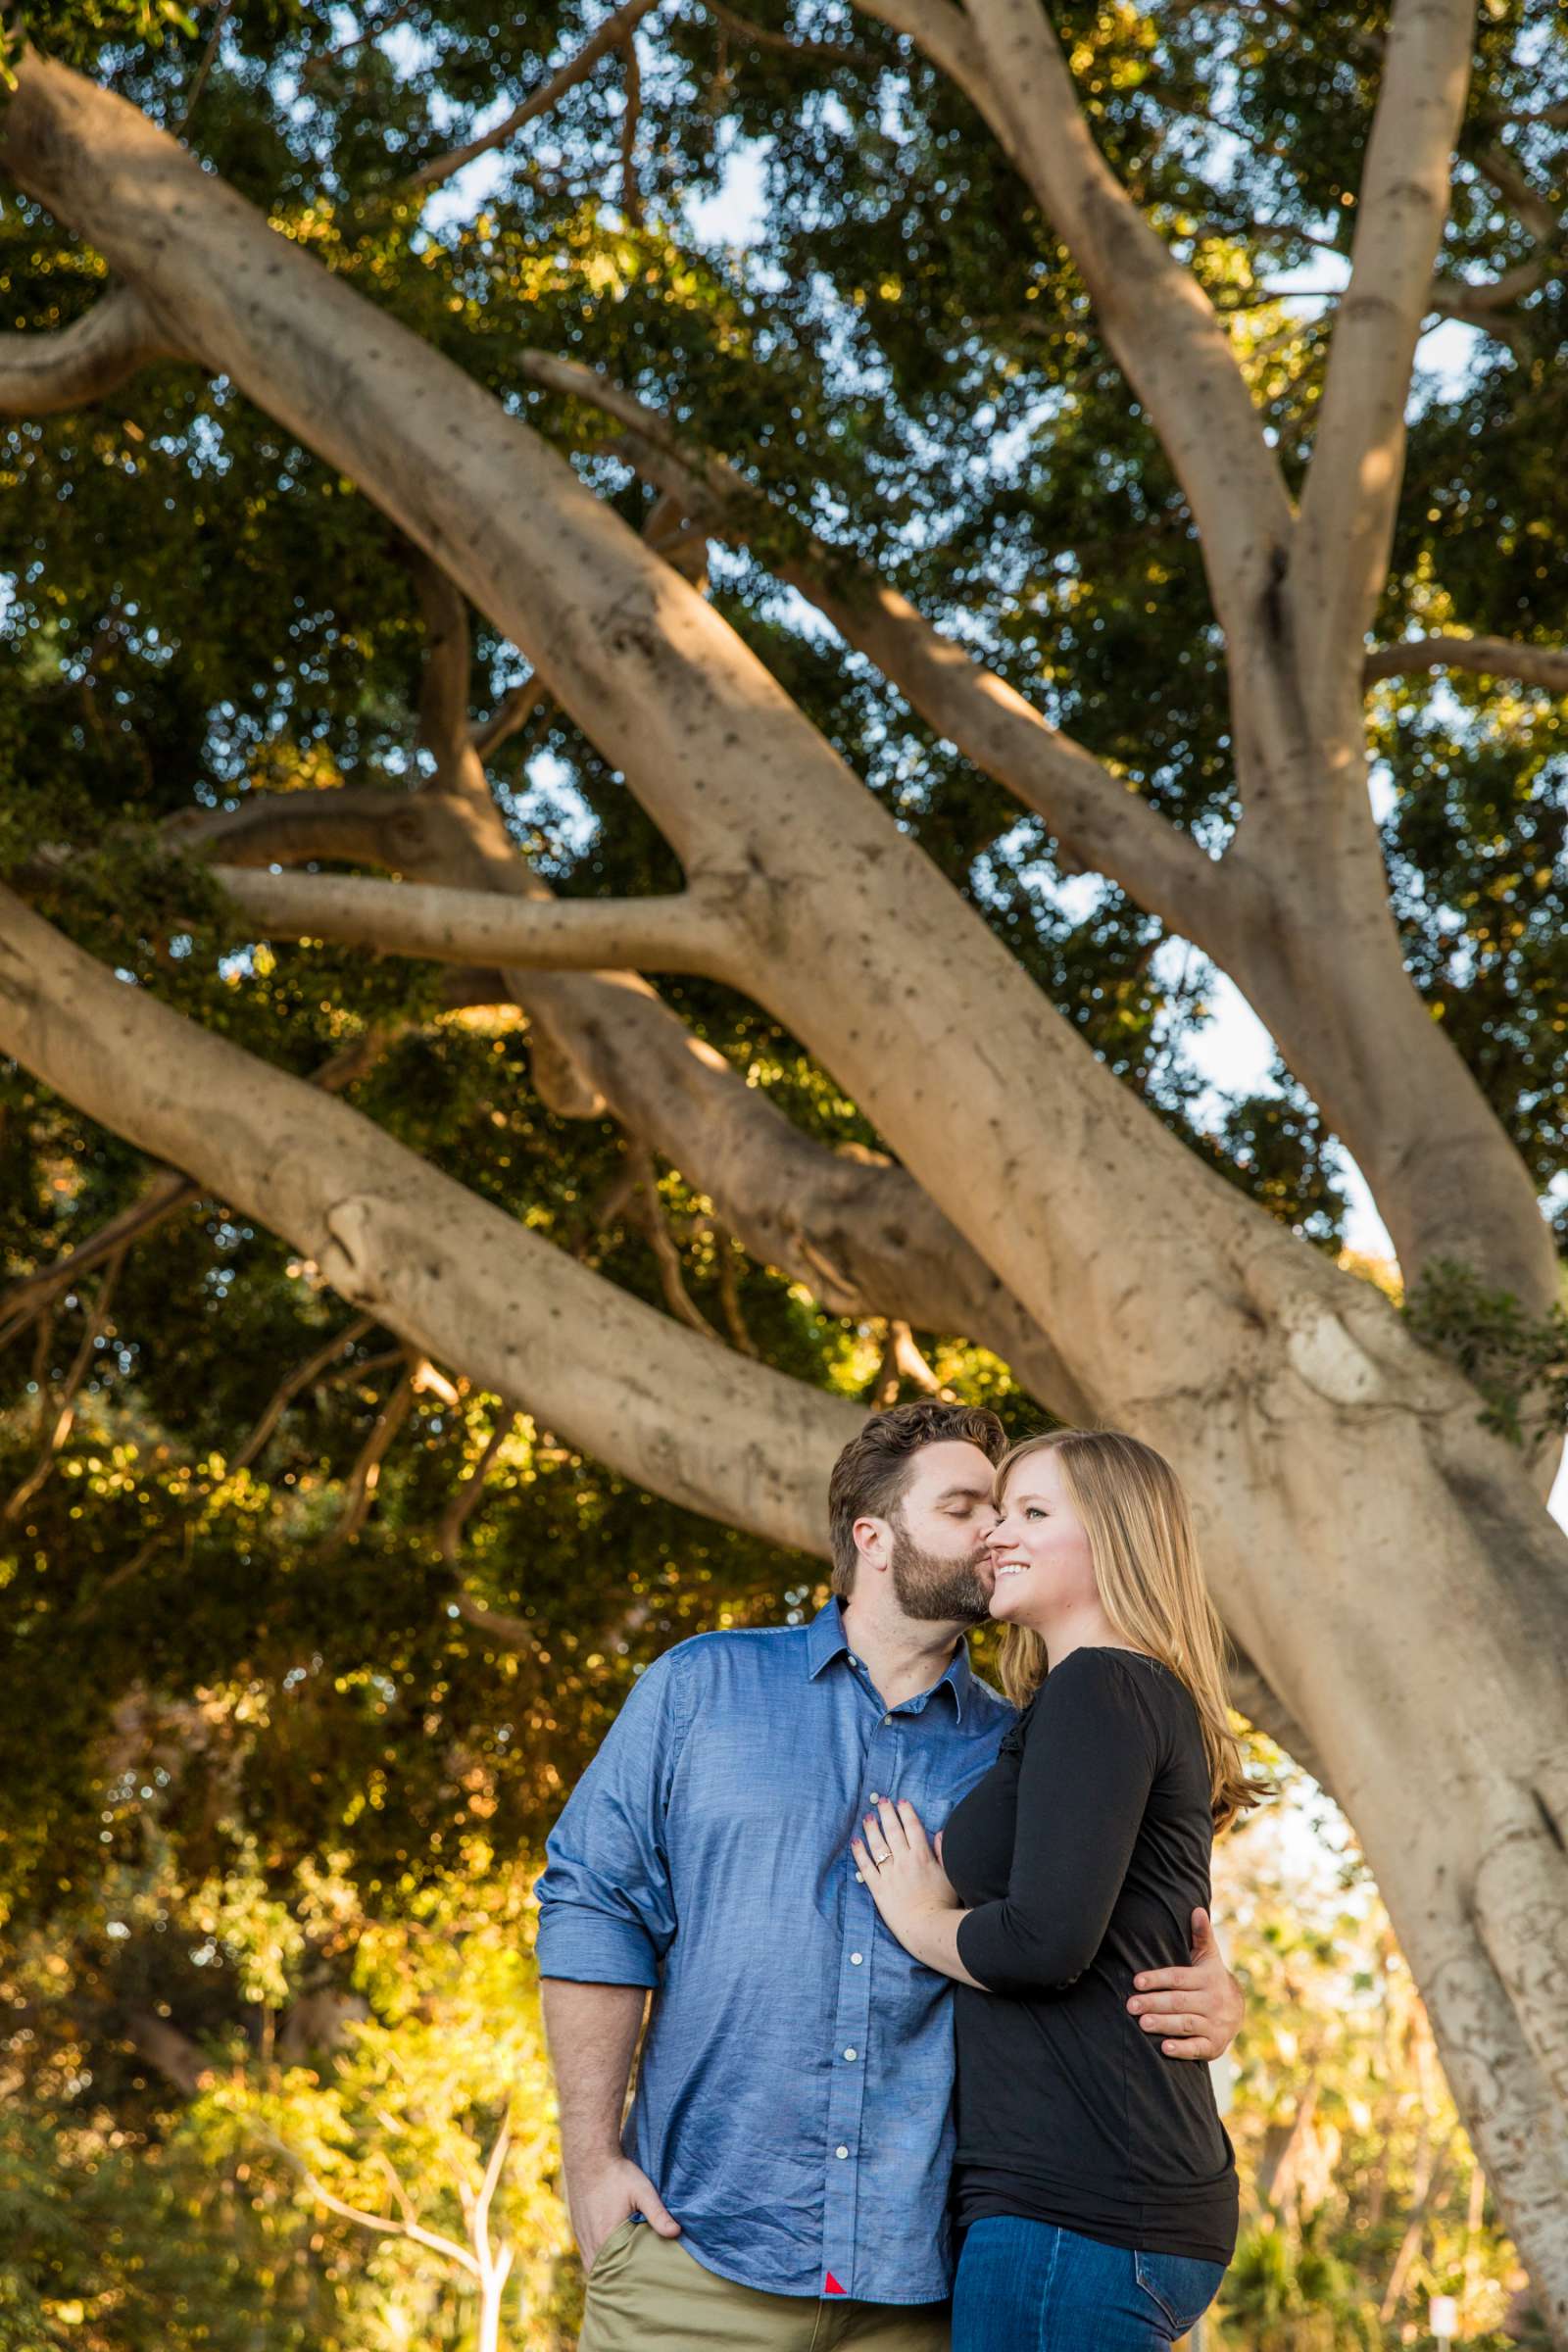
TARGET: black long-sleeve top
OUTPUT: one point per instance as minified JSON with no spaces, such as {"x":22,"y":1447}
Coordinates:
{"x":1082,"y":1856}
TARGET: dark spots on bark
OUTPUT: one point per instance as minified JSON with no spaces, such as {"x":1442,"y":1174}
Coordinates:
{"x":1275,"y":621}
{"x":1549,"y":1822}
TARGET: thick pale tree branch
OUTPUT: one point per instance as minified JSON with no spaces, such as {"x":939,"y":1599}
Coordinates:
{"x":687,"y":933}
{"x":1166,"y":336}
{"x":1095,"y":816}
{"x":42,"y":372}
{"x":456,"y":1278}
{"x":1353,"y":484}
{"x":857,"y":1230}
{"x":612,"y":34}
{"x":944,"y":35}
{"x":348,"y":821}
{"x":167,"y":1192}
{"x":1489,"y":656}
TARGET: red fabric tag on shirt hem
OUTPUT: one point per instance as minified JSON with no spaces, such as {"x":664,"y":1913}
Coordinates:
{"x":832,"y":2287}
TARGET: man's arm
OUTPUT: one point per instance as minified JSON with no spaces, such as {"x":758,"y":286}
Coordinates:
{"x":1198,"y":2009}
{"x":607,"y":1917}
{"x":592,"y":2030}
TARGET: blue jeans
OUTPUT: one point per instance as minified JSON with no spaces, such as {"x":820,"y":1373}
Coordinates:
{"x":1027,"y":2287}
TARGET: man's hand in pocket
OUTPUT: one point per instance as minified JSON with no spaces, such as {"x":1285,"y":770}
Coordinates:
{"x":600,"y":2200}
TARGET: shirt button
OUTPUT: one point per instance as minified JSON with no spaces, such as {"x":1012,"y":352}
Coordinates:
{"x":856,"y":1958}
{"x":860,"y":1877}
{"x":841,"y":2151}
{"x":849,"y":2054}
{"x":887,"y":1719}
{"x":876,"y":1796}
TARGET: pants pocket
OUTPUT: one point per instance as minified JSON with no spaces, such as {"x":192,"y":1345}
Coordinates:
{"x":1180,"y":2288}
{"x":610,"y":2252}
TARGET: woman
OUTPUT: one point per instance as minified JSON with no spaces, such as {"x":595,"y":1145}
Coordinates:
{"x":1095,"y":2185}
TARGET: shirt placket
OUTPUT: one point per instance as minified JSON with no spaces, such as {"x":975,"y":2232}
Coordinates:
{"x":851,"y":2022}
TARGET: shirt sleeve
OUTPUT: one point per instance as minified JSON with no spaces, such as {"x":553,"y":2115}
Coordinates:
{"x":607,"y":1911}
{"x":1089,"y":1758}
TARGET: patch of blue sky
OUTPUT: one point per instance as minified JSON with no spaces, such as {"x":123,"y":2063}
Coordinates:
{"x":733,"y":219}
{"x":1235,"y":1056}
{"x":1230,"y":1050}
{"x":550,"y":806}
{"x":1444,"y":354}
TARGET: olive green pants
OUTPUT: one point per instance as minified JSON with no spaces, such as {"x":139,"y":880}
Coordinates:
{"x":647,"y":2294}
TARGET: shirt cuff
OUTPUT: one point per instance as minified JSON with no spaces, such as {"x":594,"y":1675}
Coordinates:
{"x":589,"y":1947}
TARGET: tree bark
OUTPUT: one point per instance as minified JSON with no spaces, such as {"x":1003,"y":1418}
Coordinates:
{"x":41,"y":373}
{"x":681,"y":934}
{"x":1348,"y":1023}
{"x":854,"y":1227}
{"x":456,"y":1278}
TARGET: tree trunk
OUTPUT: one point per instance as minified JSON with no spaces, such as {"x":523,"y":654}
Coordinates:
{"x":492,"y":2286}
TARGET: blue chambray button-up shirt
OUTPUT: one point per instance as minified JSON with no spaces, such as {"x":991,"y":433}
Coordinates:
{"x":793,"y":2101}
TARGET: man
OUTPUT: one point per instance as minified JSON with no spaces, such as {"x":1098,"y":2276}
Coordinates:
{"x":791,"y":2125}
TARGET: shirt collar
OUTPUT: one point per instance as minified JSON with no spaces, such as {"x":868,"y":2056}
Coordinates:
{"x":826,"y":1639}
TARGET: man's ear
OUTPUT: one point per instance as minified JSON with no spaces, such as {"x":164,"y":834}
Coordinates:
{"x":873,"y":1540}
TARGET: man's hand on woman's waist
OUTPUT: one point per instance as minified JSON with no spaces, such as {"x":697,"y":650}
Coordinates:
{"x":1198,"y":2009}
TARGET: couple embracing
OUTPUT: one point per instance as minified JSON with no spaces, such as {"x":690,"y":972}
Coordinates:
{"x":930,"y":1968}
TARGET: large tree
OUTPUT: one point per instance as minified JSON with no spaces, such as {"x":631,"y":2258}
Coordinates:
{"x":994,"y":523}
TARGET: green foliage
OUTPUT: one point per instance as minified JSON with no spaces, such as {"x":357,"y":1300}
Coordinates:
{"x":1518,"y":1363}
{"x":1360,"y":2195}
{"x":1285,"y":2297}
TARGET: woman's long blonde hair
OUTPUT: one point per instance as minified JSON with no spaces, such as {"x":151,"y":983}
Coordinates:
{"x":1151,"y":1585}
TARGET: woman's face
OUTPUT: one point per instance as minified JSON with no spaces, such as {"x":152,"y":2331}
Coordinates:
{"x":1039,"y":1548}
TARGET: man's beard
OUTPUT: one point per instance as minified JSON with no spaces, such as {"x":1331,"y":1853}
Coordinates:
{"x":937,"y":1590}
